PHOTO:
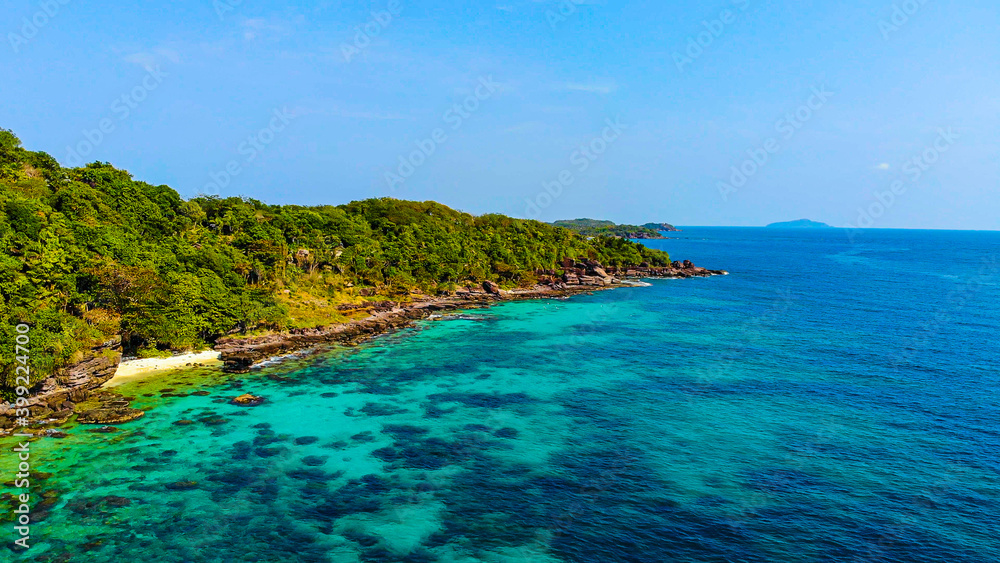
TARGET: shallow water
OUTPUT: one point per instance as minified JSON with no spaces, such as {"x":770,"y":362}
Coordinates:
{"x":826,"y":401}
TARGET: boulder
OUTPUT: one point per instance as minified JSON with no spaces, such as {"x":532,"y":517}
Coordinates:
{"x":248,"y":400}
{"x":491,"y":287}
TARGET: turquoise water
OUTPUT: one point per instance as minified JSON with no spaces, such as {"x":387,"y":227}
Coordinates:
{"x":827,"y":401}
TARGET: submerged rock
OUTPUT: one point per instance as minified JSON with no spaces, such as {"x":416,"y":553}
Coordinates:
{"x":114,"y":415}
{"x":182,"y":485}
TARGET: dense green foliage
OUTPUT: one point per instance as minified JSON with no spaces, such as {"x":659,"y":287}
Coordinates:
{"x":91,"y":254}
{"x":598,"y":228}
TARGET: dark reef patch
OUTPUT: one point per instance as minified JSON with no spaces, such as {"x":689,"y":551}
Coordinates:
{"x":382,"y":409}
{"x":484,"y":400}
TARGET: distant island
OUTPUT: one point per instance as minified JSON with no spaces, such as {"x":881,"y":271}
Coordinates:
{"x":599,"y":228}
{"x":800,"y":224}
{"x":664,"y":227}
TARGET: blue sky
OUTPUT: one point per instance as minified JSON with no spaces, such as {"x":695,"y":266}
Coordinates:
{"x":631,"y":111}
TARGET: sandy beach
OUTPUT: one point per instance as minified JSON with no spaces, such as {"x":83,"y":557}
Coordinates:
{"x":133,"y":369}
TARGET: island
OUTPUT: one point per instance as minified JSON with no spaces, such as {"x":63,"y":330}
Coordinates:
{"x":800,"y":224}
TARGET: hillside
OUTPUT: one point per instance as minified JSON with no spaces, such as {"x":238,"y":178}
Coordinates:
{"x":599,"y":228}
{"x":93,"y":255}
{"x":662,"y":227}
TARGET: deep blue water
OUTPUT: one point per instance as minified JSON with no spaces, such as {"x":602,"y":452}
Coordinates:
{"x":827,"y":401}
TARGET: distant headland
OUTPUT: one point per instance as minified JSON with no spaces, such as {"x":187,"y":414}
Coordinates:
{"x":663,"y":227}
{"x":595,"y":228}
{"x":800,"y":224}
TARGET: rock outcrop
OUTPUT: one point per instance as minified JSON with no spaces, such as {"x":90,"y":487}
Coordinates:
{"x":56,"y":397}
{"x":491,"y":287}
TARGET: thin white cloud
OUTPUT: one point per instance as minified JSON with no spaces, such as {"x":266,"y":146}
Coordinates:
{"x":153,"y":57}
{"x":884,"y":166}
{"x":600,"y":88}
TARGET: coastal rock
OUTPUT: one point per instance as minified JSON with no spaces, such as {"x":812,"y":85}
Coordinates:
{"x":491,"y":287}
{"x":57,"y":395}
{"x":248,"y":400}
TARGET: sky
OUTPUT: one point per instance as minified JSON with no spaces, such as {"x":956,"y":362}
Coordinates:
{"x":720,"y":112}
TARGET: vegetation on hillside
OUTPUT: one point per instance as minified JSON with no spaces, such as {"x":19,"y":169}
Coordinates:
{"x":91,"y":254}
{"x":599,"y":228}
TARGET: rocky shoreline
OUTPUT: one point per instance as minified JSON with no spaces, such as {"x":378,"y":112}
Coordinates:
{"x":77,"y":389}
{"x":240,"y":354}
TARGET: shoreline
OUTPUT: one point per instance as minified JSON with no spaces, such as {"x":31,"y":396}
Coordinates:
{"x":239,"y":355}
{"x":94,"y":379}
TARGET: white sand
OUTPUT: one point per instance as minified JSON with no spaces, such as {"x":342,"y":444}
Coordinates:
{"x":135,"y":369}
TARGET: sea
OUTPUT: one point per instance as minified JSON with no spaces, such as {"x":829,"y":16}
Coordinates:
{"x":835,"y":398}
